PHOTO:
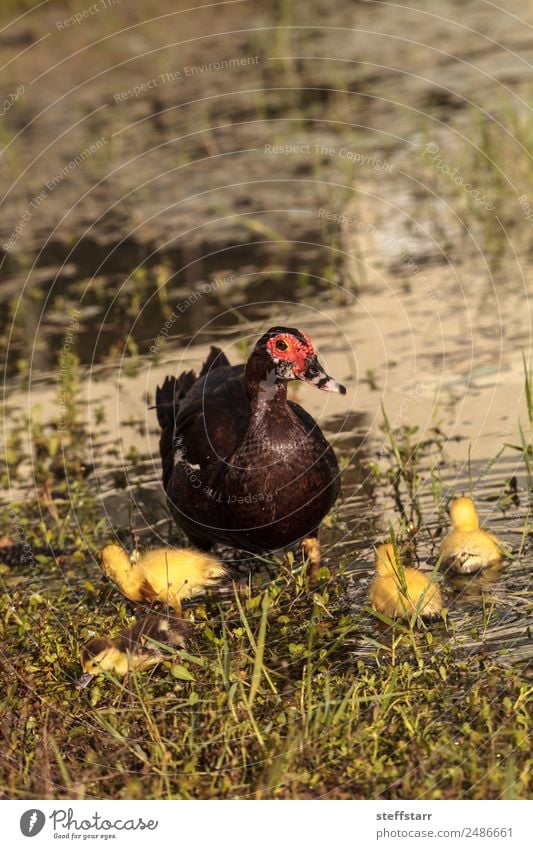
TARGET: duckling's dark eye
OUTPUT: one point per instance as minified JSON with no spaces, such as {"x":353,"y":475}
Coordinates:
{"x":281,"y":345}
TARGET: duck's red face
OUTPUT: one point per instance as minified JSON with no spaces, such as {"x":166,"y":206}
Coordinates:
{"x":294,"y":357}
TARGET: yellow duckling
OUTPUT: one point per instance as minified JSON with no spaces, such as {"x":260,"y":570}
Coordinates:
{"x":134,"y":648}
{"x":398,"y":592}
{"x":468,"y":548}
{"x":167,"y":575}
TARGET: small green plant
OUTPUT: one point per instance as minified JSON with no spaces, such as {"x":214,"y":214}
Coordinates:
{"x":526,"y":445}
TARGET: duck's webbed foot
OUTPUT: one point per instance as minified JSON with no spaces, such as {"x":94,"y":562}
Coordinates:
{"x":311,"y":551}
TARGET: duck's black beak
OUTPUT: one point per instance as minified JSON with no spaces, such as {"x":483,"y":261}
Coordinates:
{"x":83,"y":680}
{"x":314,"y":374}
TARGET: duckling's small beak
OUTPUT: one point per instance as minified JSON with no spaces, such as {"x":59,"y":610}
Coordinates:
{"x":83,"y":680}
{"x":314,"y":374}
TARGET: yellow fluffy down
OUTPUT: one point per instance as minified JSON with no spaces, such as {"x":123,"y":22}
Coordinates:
{"x":468,"y":548}
{"x":398,"y":595}
{"x":116,"y":662}
{"x":387,"y":597}
{"x":167,"y":575}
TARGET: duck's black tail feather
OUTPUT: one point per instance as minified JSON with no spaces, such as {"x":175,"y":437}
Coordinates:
{"x":216,"y":359}
{"x":167,"y":399}
{"x":168,"y":396}
{"x":174,"y":389}
{"x":167,"y":402}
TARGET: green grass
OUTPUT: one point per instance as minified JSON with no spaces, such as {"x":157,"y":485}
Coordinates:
{"x":491,"y":156}
{"x":275,"y":705}
{"x":525,"y":448}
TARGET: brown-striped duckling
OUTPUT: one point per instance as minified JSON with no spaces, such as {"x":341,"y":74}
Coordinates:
{"x":137,"y":647}
{"x":167,"y":575}
{"x":468,"y":548}
{"x":397,"y":592}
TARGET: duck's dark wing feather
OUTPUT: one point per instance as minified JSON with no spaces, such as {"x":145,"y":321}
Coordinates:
{"x":213,"y":418}
{"x":177,"y":393}
{"x":216,"y":384}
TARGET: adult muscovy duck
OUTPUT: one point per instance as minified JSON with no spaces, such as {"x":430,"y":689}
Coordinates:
{"x":242,"y":465}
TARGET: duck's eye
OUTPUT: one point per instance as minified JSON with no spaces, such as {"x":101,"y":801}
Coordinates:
{"x":281,"y":345}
